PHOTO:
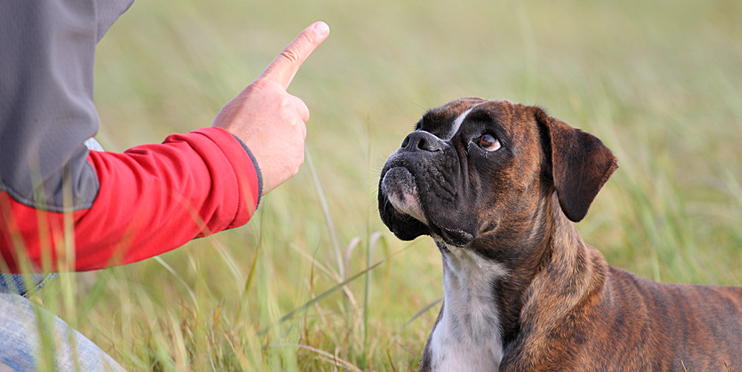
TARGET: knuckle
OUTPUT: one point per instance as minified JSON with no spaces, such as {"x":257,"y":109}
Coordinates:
{"x":258,"y":84}
{"x":300,"y":162}
{"x":290,"y":55}
{"x":292,"y":171}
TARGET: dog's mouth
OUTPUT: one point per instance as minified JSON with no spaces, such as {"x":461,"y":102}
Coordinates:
{"x":401,"y":191}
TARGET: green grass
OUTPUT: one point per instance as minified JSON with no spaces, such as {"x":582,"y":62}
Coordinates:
{"x":659,"y":82}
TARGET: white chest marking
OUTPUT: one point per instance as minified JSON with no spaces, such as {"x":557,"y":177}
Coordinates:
{"x":467,"y":338}
{"x":456,"y":125}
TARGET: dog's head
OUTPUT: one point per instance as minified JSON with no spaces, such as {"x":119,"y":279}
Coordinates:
{"x":474,"y":166}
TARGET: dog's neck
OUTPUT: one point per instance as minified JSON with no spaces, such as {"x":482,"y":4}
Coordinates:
{"x":489,"y":296}
{"x":467,"y":336}
{"x":549,"y":299}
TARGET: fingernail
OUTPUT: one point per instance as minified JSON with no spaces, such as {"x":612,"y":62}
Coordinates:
{"x":321,"y":28}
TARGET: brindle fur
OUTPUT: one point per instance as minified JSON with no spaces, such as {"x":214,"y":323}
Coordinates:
{"x":561,"y":306}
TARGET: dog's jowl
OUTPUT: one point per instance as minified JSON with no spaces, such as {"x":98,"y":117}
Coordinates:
{"x":498,"y":186}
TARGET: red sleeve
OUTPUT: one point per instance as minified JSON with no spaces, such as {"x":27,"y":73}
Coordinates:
{"x":152,"y":199}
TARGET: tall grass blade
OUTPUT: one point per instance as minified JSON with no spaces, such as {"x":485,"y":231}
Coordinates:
{"x":417,"y":315}
{"x":169,"y":268}
{"x":326,"y":214}
{"x":328,"y":292}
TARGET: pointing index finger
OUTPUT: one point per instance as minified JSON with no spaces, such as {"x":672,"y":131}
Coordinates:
{"x":286,"y":65}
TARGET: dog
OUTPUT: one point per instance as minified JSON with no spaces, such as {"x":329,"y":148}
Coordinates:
{"x":498,"y":186}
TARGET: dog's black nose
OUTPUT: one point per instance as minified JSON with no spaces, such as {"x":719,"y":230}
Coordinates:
{"x":422,"y":140}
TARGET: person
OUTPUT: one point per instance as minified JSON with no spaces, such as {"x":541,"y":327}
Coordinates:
{"x":64,"y":207}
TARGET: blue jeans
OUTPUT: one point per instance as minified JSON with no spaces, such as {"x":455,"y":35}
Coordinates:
{"x":32,"y":338}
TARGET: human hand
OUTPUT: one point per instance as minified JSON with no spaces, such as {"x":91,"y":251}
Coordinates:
{"x":270,"y":121}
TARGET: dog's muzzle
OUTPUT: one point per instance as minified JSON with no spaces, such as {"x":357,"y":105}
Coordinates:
{"x":400,"y":189}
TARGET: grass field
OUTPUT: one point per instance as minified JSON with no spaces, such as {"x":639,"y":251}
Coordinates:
{"x":659,"y":82}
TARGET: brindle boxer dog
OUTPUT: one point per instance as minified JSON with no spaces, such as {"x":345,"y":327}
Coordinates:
{"x":497,"y":185}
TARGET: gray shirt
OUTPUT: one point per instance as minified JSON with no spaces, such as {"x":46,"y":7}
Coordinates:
{"x":47,"y":51}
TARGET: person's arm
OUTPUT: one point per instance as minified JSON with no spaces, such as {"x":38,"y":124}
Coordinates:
{"x":151,"y":199}
{"x":61,"y":203}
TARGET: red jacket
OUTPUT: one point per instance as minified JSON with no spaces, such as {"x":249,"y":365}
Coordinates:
{"x":152,"y":198}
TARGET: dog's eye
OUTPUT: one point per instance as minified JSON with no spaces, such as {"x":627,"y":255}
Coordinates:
{"x":488,"y":142}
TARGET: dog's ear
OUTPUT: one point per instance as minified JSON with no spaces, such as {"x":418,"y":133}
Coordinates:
{"x":580,"y":164}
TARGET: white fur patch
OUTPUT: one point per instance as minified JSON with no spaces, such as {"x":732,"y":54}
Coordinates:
{"x":467,"y":337}
{"x":456,"y":125}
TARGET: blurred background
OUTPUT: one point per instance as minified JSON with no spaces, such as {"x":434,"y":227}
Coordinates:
{"x":315,"y":281}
